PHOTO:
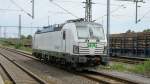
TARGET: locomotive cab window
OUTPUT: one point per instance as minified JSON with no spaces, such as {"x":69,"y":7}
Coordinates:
{"x":64,"y":35}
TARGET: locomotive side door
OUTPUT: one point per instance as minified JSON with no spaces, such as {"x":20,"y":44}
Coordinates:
{"x":64,"y":40}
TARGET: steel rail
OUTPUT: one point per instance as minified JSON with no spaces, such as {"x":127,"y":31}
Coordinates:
{"x":38,"y":79}
{"x":113,"y":77}
{"x":8,"y":75}
{"x":129,"y":60}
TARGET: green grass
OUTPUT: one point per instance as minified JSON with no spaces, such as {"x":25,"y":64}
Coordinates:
{"x":5,"y":43}
{"x":7,"y":82}
{"x":26,"y":49}
{"x":138,"y":68}
{"x":142,"y":68}
{"x":118,"y":67}
{"x":17,"y":46}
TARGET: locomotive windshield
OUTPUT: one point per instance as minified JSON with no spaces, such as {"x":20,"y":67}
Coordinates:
{"x":86,"y":31}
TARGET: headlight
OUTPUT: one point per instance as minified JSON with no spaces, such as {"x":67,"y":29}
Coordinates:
{"x":75,"y":49}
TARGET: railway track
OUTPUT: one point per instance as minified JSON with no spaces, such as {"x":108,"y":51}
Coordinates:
{"x":105,"y":78}
{"x":123,"y":59}
{"x":97,"y":76}
{"x":129,"y":60}
{"x":17,"y":73}
{"x":4,"y":76}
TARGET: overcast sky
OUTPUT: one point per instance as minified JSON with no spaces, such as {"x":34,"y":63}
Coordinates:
{"x":122,"y":14}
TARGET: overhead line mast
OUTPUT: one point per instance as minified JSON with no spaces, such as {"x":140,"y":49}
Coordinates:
{"x":136,"y":8}
{"x":88,"y":10}
{"x":32,"y":9}
{"x":88,"y":18}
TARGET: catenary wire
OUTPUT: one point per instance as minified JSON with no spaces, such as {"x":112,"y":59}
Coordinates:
{"x":63,"y":9}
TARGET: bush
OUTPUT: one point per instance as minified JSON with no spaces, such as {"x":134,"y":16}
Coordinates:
{"x":17,"y":46}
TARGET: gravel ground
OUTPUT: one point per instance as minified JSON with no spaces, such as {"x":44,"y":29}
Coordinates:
{"x":59,"y":76}
{"x":47,"y":72}
{"x":18,"y":75}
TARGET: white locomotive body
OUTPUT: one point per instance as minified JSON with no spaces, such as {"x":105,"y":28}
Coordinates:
{"x":76,"y":44}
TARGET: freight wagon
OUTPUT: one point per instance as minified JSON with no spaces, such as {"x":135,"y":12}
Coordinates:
{"x":130,"y":44}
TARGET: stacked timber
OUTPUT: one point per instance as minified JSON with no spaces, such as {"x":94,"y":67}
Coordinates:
{"x":130,"y":44}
